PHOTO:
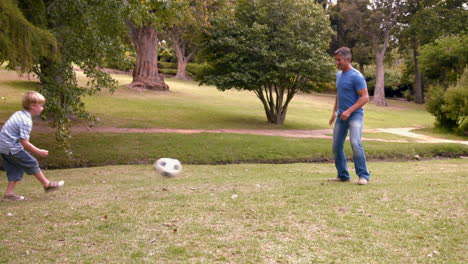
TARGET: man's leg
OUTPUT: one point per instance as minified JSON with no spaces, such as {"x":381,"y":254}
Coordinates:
{"x":359,"y":157}
{"x":340,"y":131}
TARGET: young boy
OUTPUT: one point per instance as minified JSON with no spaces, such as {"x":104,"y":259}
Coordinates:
{"x":14,"y":141}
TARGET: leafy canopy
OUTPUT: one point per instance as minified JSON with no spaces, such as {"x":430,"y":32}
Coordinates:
{"x":278,"y":43}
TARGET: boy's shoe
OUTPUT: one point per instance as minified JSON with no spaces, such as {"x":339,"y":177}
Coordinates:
{"x":362,"y":181}
{"x":53,"y":186}
{"x":337,"y":180}
{"x":13,"y":197}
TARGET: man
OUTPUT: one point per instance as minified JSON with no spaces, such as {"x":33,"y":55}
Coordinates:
{"x":351,"y":96}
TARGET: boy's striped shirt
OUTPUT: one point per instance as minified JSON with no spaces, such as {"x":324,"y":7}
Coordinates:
{"x":18,"y":126}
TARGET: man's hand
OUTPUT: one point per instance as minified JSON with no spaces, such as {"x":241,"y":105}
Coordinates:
{"x":345,"y":115}
{"x":332,"y":119}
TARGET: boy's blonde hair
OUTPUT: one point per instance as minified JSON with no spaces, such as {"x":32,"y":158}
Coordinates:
{"x":32,"y":97}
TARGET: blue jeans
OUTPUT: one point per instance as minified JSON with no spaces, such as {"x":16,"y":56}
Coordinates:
{"x":340,"y":131}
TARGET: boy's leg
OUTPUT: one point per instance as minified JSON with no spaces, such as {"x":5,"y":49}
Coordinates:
{"x":13,"y":173}
{"x":41,"y":178}
{"x":10,"y":188}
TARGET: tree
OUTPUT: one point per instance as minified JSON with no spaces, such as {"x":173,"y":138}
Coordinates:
{"x":445,"y":59}
{"x":273,"y":48}
{"x":185,"y":33}
{"x":88,"y":33}
{"x":145,"y":20}
{"x":422,"y":22}
{"x":349,"y":37}
{"x":376,"y":19}
{"x":21,"y":42}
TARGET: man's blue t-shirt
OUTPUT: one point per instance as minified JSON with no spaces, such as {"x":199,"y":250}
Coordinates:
{"x":347,"y":85}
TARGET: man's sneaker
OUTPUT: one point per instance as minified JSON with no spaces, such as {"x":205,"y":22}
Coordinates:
{"x":13,"y":197}
{"x":337,"y":180}
{"x":53,"y":186}
{"x":362,"y":181}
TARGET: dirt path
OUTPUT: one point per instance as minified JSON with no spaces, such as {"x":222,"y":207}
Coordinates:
{"x":405,"y":132}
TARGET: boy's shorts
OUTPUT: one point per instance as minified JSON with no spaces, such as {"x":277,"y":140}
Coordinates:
{"x":16,"y":164}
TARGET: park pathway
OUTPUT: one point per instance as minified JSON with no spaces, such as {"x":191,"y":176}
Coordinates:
{"x":405,"y":133}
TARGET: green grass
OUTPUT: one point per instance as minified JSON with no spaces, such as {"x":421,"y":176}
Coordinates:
{"x":95,"y":149}
{"x":440,"y":133}
{"x":411,"y":212}
{"x":188,"y":105}
{"x":384,"y":136}
{"x":191,"y":106}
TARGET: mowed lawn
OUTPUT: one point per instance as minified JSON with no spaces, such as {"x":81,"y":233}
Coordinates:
{"x":411,"y":212}
{"x":189,"y":105}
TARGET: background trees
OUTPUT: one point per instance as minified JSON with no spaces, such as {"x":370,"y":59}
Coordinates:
{"x":375,"y":19}
{"x":273,"y":48}
{"x":21,"y":42}
{"x":88,"y":34}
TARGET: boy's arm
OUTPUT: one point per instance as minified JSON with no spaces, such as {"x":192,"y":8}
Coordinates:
{"x":31,"y":148}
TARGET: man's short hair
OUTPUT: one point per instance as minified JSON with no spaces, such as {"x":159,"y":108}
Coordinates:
{"x":32,"y":97}
{"x":345,"y":52}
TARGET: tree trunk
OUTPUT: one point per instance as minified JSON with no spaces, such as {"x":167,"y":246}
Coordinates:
{"x":272,"y":99}
{"x":379,"y":91}
{"x":182,"y":60}
{"x":145,"y":74}
{"x":361,"y":68}
{"x":418,"y":87}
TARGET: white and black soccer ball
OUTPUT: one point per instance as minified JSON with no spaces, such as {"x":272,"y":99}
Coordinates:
{"x":168,"y":167}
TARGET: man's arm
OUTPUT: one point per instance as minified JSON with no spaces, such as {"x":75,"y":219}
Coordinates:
{"x":31,"y":148}
{"x":363,"y":99}
{"x":335,"y":109}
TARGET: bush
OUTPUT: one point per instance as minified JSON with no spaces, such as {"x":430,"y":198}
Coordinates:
{"x":450,"y":106}
{"x":408,"y":95}
{"x":394,"y":80}
{"x":168,"y":65}
{"x":194,"y":68}
{"x":168,"y":71}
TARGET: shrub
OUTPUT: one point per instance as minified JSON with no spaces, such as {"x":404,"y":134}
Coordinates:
{"x":168,"y":71}
{"x":168,"y":65}
{"x":450,"y":106}
{"x":194,"y":68}
{"x":408,"y":95}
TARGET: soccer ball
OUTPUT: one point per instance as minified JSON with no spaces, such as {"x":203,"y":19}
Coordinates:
{"x":168,"y":167}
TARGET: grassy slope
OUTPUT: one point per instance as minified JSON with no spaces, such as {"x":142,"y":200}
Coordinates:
{"x":410,"y":213}
{"x":191,"y":106}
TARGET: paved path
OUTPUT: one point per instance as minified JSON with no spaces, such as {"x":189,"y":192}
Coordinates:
{"x":405,"y":132}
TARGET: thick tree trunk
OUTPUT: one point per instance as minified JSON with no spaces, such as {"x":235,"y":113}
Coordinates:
{"x":145,"y":74}
{"x":418,"y":86}
{"x":361,"y":68}
{"x":379,"y":91}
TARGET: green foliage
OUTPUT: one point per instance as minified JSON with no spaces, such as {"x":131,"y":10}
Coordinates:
{"x":445,"y":59}
{"x":194,"y":68}
{"x":450,"y":106}
{"x":269,"y":47}
{"x":168,"y":71}
{"x":168,"y":65}
{"x":21,"y":42}
{"x":90,"y":34}
{"x":394,"y":77}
